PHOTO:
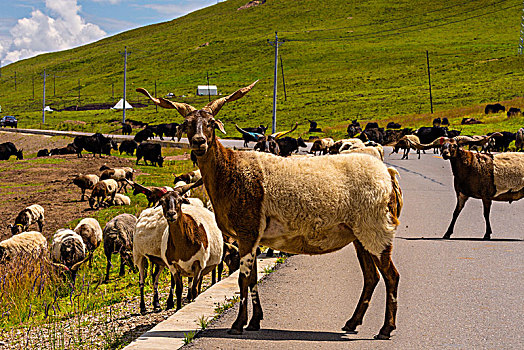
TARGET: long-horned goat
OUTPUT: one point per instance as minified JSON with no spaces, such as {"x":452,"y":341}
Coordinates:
{"x":68,"y":251}
{"x":497,"y":177}
{"x":20,"y":246}
{"x":85,"y":182}
{"x":118,"y":239}
{"x":103,"y":190}
{"x":153,"y":193}
{"x":147,"y":243}
{"x":32,"y":214}
{"x":91,"y":232}
{"x":259,"y":198}
{"x":193,"y":244}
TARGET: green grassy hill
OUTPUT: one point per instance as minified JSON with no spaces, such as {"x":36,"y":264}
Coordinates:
{"x":342,"y":60}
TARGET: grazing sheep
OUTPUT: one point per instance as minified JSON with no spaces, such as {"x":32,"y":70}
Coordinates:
{"x":118,"y":174}
{"x":25,"y":244}
{"x":257,"y":198}
{"x":103,"y":190}
{"x":121,"y":199}
{"x":189,"y":178}
{"x":406,"y":143}
{"x":85,"y":182}
{"x":68,"y":251}
{"x":91,"y":232}
{"x":24,"y":219}
{"x":147,"y":243}
{"x":322,"y":146}
{"x":193,"y":244}
{"x":118,"y":239}
{"x":482,"y":176}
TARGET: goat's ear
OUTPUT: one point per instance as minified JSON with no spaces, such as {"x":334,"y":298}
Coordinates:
{"x":182,"y":128}
{"x":219,"y":125}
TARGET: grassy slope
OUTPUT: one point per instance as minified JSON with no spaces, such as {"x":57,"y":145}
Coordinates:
{"x":370,"y":76}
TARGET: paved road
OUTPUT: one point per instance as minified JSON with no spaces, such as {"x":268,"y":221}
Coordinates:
{"x":463,"y":293}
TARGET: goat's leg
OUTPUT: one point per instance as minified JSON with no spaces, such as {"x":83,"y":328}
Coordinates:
{"x":487,"y":208}
{"x":83,"y":194}
{"x":170,"y":302}
{"x":461,"y":201}
{"x":418,"y":152}
{"x":41,"y":224}
{"x":214,"y":276}
{"x":247,"y":257}
{"x":371,"y":278}
{"x":122,"y":271}
{"x":391,"y":277}
{"x":108,"y":267}
{"x":196,"y":280}
{"x":155,"y":276}
{"x":220,"y":269}
{"x":254,"y":323}
{"x":142,"y":271}
{"x":179,"y":289}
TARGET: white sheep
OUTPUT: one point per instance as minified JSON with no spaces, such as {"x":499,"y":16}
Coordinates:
{"x":24,"y":219}
{"x":350,"y":144}
{"x":301,"y":205}
{"x":193,"y":244}
{"x":68,"y":251}
{"x":118,"y":174}
{"x":147,"y":243}
{"x":118,"y":239}
{"x":375,"y":151}
{"x":23,"y":245}
{"x":121,"y":199}
{"x":91,"y":232}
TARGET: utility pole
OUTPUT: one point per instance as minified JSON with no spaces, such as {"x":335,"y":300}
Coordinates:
{"x":156,"y":106}
{"x":43,"y":101}
{"x":521,"y":40}
{"x":125,"y":76}
{"x":208,"y":89}
{"x":276,"y":44}
{"x":283,"y":79}
{"x":429,"y":80}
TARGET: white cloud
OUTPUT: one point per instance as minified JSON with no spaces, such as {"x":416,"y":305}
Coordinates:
{"x":42,"y":33}
{"x":112,"y":2}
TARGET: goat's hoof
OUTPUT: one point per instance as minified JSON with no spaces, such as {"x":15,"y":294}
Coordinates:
{"x":381,"y":336}
{"x":252,"y":327}
{"x":350,"y":329}
{"x":143,"y":311}
{"x":170,"y":305}
{"x":446,"y":236}
{"x":234,"y":331}
{"x":486,"y":237}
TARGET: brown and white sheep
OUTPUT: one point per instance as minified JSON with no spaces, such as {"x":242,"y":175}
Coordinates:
{"x":91,"y":232}
{"x":103,"y":190}
{"x":118,"y":239}
{"x":188,"y":178}
{"x":85,"y":182}
{"x":193,"y":244}
{"x":259,"y":198}
{"x":32,"y":214}
{"x":22,"y":245}
{"x":497,"y":177}
{"x":120,"y":175}
{"x":322,"y":146}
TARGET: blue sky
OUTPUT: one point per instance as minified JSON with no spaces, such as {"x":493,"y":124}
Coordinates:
{"x":32,"y":27}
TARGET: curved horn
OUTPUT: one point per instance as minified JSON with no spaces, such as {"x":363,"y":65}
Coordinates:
{"x":183,"y":189}
{"x":214,"y":106}
{"x":183,"y":108}
{"x":61,"y":266}
{"x":278,"y":135}
{"x":77,"y":265}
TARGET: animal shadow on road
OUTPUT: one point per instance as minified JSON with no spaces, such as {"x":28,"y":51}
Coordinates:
{"x":471,"y":239}
{"x":282,"y":335}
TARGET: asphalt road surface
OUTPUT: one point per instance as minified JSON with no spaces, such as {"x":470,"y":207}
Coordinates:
{"x":462,"y":293}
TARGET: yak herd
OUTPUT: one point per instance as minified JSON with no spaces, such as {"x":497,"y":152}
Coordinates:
{"x":268,"y":197}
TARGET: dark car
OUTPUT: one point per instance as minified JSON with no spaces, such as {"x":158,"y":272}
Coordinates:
{"x":9,"y":120}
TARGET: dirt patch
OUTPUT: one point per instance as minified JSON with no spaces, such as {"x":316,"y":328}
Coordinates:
{"x":45,"y":181}
{"x":185,"y":156}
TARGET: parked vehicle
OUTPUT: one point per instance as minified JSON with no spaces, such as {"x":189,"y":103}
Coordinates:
{"x":9,"y":120}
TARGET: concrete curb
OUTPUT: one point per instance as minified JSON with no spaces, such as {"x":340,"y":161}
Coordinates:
{"x":169,"y":334}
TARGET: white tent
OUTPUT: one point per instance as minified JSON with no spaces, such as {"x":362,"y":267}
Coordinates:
{"x":48,"y":109}
{"x":120,"y":105}
{"x":204,"y":90}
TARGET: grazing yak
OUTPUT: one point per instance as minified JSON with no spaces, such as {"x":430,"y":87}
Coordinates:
{"x":8,"y":149}
{"x":96,"y":144}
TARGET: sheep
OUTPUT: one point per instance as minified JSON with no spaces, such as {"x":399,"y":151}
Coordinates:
{"x":118,"y":239}
{"x":259,"y":198}
{"x":25,"y":244}
{"x":322,"y":146}
{"x":68,"y":251}
{"x":350,"y":143}
{"x":91,"y":232}
{"x":335,"y":148}
{"x":193,"y":244}
{"x":102,"y":190}
{"x":377,"y":152}
{"x":121,"y":199}
{"x":497,"y":177}
{"x":147,"y":243}
{"x":188,"y":178}
{"x":519,"y":140}
{"x":29,"y":215}
{"x":117,"y":174}
{"x":85,"y":182}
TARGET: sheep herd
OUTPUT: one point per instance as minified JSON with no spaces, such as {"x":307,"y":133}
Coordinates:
{"x":176,"y":232}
